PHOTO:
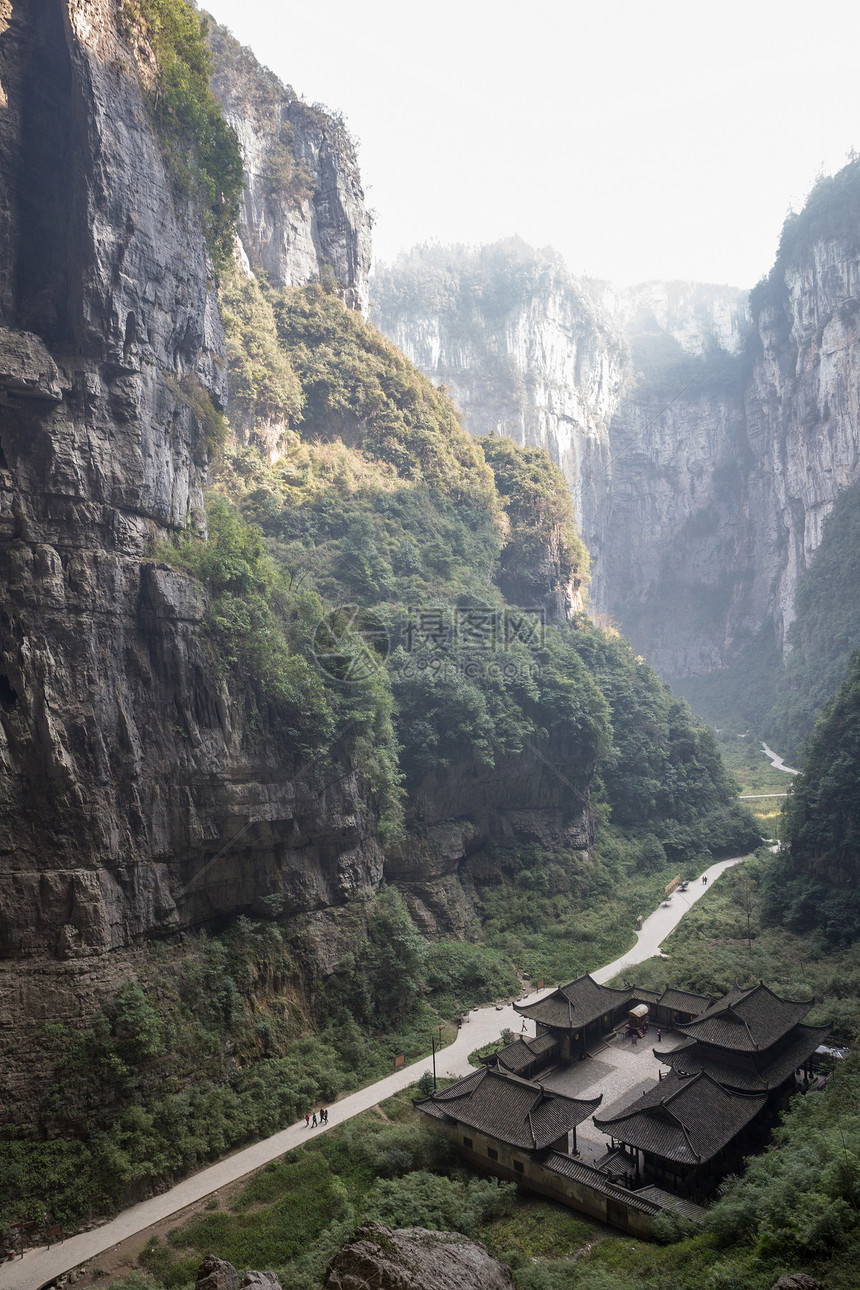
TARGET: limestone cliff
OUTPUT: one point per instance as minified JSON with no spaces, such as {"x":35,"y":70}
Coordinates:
{"x":667,"y":538}
{"x":303,"y":206}
{"x":126,"y":766}
{"x":704,"y":434}
{"x":728,"y":457}
{"x":139,"y":791}
{"x":522,"y":347}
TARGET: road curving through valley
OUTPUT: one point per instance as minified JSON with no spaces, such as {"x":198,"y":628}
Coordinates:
{"x":43,"y":1264}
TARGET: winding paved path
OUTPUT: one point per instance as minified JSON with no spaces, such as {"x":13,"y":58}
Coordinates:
{"x":776,"y":760}
{"x":42,"y":1264}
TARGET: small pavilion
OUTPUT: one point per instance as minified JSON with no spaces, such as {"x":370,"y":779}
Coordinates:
{"x":577,"y":1015}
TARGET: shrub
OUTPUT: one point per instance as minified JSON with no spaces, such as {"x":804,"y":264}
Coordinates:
{"x":427,"y":1200}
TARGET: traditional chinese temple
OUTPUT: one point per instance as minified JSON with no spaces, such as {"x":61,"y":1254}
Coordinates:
{"x":501,"y":1117}
{"x":740,"y":1060}
{"x":685,"y":1133}
{"x":750,"y":1041}
{"x":577,"y":1015}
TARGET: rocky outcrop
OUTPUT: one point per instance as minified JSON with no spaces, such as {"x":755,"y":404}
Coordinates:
{"x":303,"y":205}
{"x":415,"y":1259}
{"x":539,"y":798}
{"x":218,"y":1274}
{"x":797,"y":1281}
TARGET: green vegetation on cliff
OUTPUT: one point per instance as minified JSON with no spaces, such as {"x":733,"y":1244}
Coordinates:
{"x":831,"y":213}
{"x":542,"y":537}
{"x":263,"y":385}
{"x":379,"y":498}
{"x":202,"y":149}
{"x":822,"y":826}
{"x":825,"y":631}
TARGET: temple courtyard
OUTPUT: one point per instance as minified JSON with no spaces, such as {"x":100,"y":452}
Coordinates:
{"x":621,"y":1071}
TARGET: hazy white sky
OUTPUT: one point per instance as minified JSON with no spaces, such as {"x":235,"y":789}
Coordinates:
{"x":655,"y":139}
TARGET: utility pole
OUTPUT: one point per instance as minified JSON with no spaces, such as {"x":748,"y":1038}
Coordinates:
{"x":433,"y":1043}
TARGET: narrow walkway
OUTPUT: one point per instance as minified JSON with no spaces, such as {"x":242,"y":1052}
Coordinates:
{"x":41,"y":1265}
{"x":777,"y":762}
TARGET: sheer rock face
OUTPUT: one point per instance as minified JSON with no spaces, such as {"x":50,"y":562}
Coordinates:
{"x":415,"y":1259}
{"x":303,"y":205}
{"x":137,"y":795}
{"x":671,"y":540}
{"x":803,"y":414}
{"x":718,"y":503}
{"x":524,"y":353}
{"x":704,"y":449}
{"x":126,"y":764}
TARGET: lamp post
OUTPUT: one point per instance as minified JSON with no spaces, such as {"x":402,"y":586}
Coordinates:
{"x":433,"y":1044}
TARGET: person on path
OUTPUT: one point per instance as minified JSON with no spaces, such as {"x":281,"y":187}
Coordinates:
{"x":704,"y":877}
{"x":325,"y":1116}
{"x":307,"y":1119}
{"x":659,"y":1035}
{"x":314,"y":1120}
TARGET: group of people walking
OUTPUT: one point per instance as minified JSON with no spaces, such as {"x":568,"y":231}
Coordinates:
{"x":311,"y":1121}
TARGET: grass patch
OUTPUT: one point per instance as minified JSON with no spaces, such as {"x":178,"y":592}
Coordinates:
{"x":754,"y":773}
{"x":537,"y":1229}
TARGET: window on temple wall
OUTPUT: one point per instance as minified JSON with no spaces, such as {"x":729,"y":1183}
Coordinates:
{"x":492,"y":1153}
{"x":518,"y":1165}
{"x":467,"y":1142}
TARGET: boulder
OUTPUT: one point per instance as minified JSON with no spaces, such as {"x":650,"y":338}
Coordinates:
{"x":415,"y":1259}
{"x":216,"y":1274}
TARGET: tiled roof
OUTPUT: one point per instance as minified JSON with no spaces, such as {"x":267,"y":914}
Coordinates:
{"x":520,"y":1052}
{"x":567,"y":1167}
{"x":513,"y":1056}
{"x":574,"y":1005}
{"x":650,"y":1200}
{"x":684,"y":1119}
{"x":669,"y":1200}
{"x":513,"y":1110}
{"x":541,"y":1043}
{"x":748,"y":1071}
{"x":683,"y":1000}
{"x":643,"y":994}
{"x":747,"y":1020}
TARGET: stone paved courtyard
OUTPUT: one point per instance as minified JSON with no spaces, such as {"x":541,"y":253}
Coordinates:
{"x":621,"y":1072}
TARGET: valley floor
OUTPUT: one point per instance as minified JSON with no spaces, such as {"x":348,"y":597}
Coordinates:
{"x":483,"y":1025}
